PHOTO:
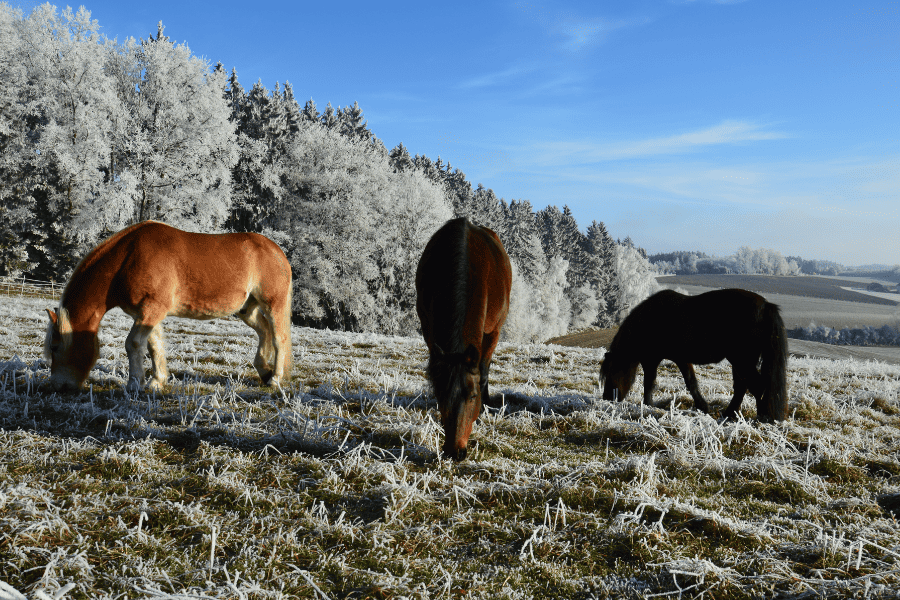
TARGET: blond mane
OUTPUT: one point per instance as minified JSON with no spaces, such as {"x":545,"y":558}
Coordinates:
{"x":63,"y":327}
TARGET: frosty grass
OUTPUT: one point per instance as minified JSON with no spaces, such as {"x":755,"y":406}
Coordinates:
{"x":331,"y":488}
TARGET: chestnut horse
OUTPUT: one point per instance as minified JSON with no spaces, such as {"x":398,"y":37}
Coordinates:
{"x":152,"y":270}
{"x":462,"y":285}
{"x":734,"y":324}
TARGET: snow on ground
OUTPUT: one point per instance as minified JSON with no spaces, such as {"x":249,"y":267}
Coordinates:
{"x":220,"y":488}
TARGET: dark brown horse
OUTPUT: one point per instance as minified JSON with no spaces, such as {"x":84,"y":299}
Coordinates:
{"x":150,"y":271}
{"x":463,"y":282}
{"x":734,"y":324}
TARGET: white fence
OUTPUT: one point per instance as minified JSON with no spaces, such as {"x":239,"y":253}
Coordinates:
{"x":30,"y":288}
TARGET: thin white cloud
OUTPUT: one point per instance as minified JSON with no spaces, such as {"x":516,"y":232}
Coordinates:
{"x":493,"y":79}
{"x":727,"y":132}
{"x":582,"y":33}
{"x":709,"y":1}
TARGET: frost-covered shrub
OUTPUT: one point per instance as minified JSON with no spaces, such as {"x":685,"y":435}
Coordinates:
{"x":636,"y":277}
{"x":538,"y":310}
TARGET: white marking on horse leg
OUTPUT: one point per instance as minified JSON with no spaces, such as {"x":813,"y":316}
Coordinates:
{"x":136,"y":348}
{"x":157,"y":347}
{"x":282,"y":341}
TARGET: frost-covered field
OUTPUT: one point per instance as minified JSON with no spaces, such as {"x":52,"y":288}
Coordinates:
{"x":803,"y":311}
{"x":218,"y":488}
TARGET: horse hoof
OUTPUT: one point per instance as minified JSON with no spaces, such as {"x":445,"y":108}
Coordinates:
{"x":728,"y":416}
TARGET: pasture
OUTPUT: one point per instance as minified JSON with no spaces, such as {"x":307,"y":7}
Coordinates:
{"x":216,"y":487}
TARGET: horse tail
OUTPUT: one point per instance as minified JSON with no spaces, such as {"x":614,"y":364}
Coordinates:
{"x":289,"y":354}
{"x":774,"y":365}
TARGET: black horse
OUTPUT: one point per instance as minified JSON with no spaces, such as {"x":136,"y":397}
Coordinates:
{"x":734,"y":324}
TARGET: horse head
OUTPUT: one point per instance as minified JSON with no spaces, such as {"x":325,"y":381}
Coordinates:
{"x":617,"y":376}
{"x":457,"y":384}
{"x":69,"y":354}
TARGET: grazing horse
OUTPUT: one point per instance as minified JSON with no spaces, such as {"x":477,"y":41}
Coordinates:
{"x":462,"y":285}
{"x":734,"y":324}
{"x":152,"y":270}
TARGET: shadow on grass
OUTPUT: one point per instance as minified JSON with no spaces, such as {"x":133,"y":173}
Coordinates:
{"x":110,"y":414}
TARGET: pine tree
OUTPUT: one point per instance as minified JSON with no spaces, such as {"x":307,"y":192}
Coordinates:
{"x":600,"y":247}
{"x":310,"y":112}
{"x":352,"y":124}
{"x":429,"y":169}
{"x":329,"y":118}
{"x":520,"y":234}
{"x":400,"y":159}
{"x":291,"y":108}
{"x":264,"y":136}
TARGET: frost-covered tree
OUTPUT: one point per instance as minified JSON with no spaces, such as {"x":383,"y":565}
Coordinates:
{"x":636,"y":277}
{"x":601,"y":250}
{"x":66,"y":123}
{"x":521,"y":236}
{"x":352,"y":124}
{"x":485,"y":208}
{"x":329,"y":117}
{"x":538,"y":310}
{"x":400,"y":159}
{"x":183,"y":145}
{"x":310,"y":112}
{"x":20,"y":173}
{"x":290,"y":107}
{"x":356,"y":229}
{"x":265,"y":129}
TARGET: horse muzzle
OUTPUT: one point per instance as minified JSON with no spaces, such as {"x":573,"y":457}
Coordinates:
{"x":455,"y":454}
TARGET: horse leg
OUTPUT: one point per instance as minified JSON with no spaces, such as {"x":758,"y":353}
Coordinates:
{"x":160,"y":370}
{"x":136,"y":349}
{"x":690,"y":380}
{"x":757,"y":386}
{"x":649,"y":380}
{"x":279,"y":317}
{"x":488,"y":344}
{"x":741,"y":378}
{"x":252,"y":315}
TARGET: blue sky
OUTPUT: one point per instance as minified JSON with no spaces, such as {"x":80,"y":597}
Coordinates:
{"x":687,"y":125}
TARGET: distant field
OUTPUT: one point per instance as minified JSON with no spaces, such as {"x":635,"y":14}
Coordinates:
{"x":811,"y":287}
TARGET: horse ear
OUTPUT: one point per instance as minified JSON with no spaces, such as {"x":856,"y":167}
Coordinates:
{"x":470,"y":357}
{"x":52,"y":315}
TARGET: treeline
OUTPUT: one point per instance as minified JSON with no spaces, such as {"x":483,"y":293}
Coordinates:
{"x":96,"y":135}
{"x":885,"y":335}
{"x":746,"y":261}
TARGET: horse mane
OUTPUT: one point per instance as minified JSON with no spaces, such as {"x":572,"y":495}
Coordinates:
{"x":458,"y":256}
{"x":447,"y":373}
{"x":95,"y":255}
{"x":621,"y":360}
{"x":63,"y":328}
{"x":445,"y":368}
